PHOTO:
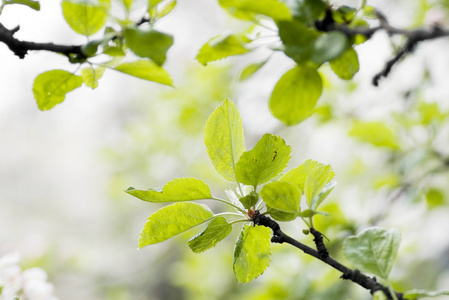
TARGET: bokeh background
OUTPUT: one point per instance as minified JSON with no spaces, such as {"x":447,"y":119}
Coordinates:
{"x":63,"y":171}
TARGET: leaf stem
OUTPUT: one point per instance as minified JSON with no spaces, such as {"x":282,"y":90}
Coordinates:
{"x":229,"y":203}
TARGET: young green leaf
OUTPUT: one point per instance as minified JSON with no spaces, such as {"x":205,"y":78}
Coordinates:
{"x":252,"y":253}
{"x":248,"y":9}
{"x":30,"y":3}
{"x":318,"y":199}
{"x":379,"y":295}
{"x":220,"y":47}
{"x":346,"y":65}
{"x":298,"y":40}
{"x":315,"y":182}
{"x":85,"y":17}
{"x":180,"y":189}
{"x":282,"y":196}
{"x":127,"y":4}
{"x":223,"y":136}
{"x":376,"y":133}
{"x":280,"y":215}
{"x":168,"y":8}
{"x":50,"y":87}
{"x":172,"y":220}
{"x":149,"y":43}
{"x":217,"y":230}
{"x":416,"y":294}
{"x":298,"y":175}
{"x":329,"y":46}
{"x":307,"y":11}
{"x":249,"y":200}
{"x":265,"y":161}
{"x":374,"y":250}
{"x":147,"y":70}
{"x":295,"y":95}
{"x":90,"y":76}
{"x":251,"y":69}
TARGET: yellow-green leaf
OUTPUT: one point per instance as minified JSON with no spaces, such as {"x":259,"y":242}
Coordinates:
{"x":376,"y":133}
{"x":51,"y":87}
{"x":147,"y":70}
{"x":220,"y":47}
{"x":295,"y":95}
{"x":252,"y":253}
{"x":180,"y":189}
{"x":172,"y":220}
{"x":223,"y":136}
{"x":30,"y":3}
{"x":249,"y":9}
{"x":217,"y":230}
{"x":251,"y":69}
{"x":91,"y":76}
{"x":282,"y":196}
{"x":86,"y":16}
{"x":346,"y":65}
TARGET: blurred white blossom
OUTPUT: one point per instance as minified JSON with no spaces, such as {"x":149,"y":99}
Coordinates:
{"x":31,"y":284}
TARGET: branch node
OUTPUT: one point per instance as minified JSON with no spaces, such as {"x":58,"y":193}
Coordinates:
{"x":318,"y":239}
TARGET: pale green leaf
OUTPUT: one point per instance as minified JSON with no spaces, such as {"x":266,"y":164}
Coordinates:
{"x":217,"y":230}
{"x":51,"y":87}
{"x":266,"y":160}
{"x":282,"y":196}
{"x":295,"y":95}
{"x":147,"y":70}
{"x":249,"y":200}
{"x":172,"y":220}
{"x":152,"y":4}
{"x":220,"y":47}
{"x":90,"y":76}
{"x":251,"y":69}
{"x":252,"y":253}
{"x":223,"y":136}
{"x":127,"y":4}
{"x":168,"y":8}
{"x":329,"y":46}
{"x":379,"y":295}
{"x":30,"y":3}
{"x":376,"y":133}
{"x":280,"y":215}
{"x":249,"y":9}
{"x":416,"y":294}
{"x":374,"y":250}
{"x":148,"y":43}
{"x":180,"y":189}
{"x":316,"y":180}
{"x":318,"y":199}
{"x":346,"y":65}
{"x":84,"y":16}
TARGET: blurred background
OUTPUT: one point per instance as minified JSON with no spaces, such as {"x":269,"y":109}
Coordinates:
{"x":63,"y":171}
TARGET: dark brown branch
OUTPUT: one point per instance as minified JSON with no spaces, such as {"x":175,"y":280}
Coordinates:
{"x":369,"y":283}
{"x":413,"y":37}
{"x":21,"y":48}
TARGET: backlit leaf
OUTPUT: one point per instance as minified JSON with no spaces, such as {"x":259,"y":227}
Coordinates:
{"x":282,"y":196}
{"x":315,"y":182}
{"x":280,"y":215}
{"x":416,"y":294}
{"x":223,"y":136}
{"x":374,"y":250}
{"x":147,"y":70}
{"x":252,"y":253}
{"x":329,"y":46}
{"x":376,"y":133}
{"x":84,"y":16}
{"x":295,"y":95}
{"x":298,"y":40}
{"x":251,"y":69}
{"x":220,"y":47}
{"x":346,"y":65}
{"x":51,"y":87}
{"x":172,"y":220}
{"x":127,"y":4}
{"x":266,"y":160}
{"x":30,"y":3}
{"x":180,"y":189}
{"x":91,"y":76}
{"x":149,"y":43}
{"x":318,"y":199}
{"x":248,"y":9}
{"x":217,"y":230}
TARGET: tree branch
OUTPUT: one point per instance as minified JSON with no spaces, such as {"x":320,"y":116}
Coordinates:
{"x":355,"y":276}
{"x":413,"y":37}
{"x":21,"y":48}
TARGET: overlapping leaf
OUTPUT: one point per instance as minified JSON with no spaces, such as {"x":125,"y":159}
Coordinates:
{"x":217,"y":230}
{"x":249,"y":9}
{"x":282,"y":196}
{"x":147,"y":70}
{"x":90,"y":76}
{"x":347,"y":65}
{"x":86,"y":16}
{"x":220,"y":47}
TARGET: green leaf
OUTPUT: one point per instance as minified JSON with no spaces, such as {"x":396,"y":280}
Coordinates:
{"x":295,"y":95}
{"x":85,"y":17}
{"x":265,"y":161}
{"x":249,"y":9}
{"x":415,"y":294}
{"x":223,"y":136}
{"x":379,"y":295}
{"x":434,"y":197}
{"x":51,"y":87}
{"x":220,"y":47}
{"x":172,"y":220}
{"x":149,"y":43}
{"x":346,"y":65}
{"x":282,"y":196}
{"x":307,"y":11}
{"x":147,"y":70}
{"x":376,"y":133}
{"x":168,"y":8}
{"x":180,"y":189}
{"x":329,"y":46}
{"x":217,"y":230}
{"x":127,"y":4}
{"x":90,"y":76}
{"x":318,"y":199}
{"x":30,"y":3}
{"x":280,"y":215}
{"x":153,"y":3}
{"x":249,"y":200}
{"x":298,"y":40}
{"x":315,"y":182}
{"x":252,"y":253}
{"x":374,"y":250}
{"x":251,"y":69}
